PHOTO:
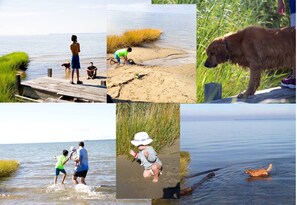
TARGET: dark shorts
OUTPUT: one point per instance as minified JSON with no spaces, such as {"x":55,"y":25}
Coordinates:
{"x":81,"y":173}
{"x":75,"y":62}
{"x":60,"y":170}
{"x":116,"y":56}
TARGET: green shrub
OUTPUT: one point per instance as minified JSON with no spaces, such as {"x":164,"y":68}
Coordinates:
{"x":9,"y":65}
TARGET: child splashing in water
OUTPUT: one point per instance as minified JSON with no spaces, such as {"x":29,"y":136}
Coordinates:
{"x":147,"y":155}
{"x":61,"y":161}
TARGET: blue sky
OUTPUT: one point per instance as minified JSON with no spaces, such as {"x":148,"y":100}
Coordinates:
{"x":170,"y":8}
{"x":19,"y":17}
{"x":236,"y":111}
{"x":30,"y":123}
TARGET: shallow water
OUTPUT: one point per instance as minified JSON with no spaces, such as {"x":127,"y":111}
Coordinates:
{"x":237,"y":145}
{"x":50,"y":51}
{"x":33,"y":182}
{"x":178,"y":31}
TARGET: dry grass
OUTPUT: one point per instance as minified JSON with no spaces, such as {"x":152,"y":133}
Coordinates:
{"x":7,"y":167}
{"x":184,"y":163}
{"x":132,"y":38}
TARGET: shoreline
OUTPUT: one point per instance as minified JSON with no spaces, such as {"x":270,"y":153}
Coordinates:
{"x":153,"y":83}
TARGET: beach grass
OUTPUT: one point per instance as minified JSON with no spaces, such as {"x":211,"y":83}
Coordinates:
{"x":184,"y":163}
{"x":9,"y":65}
{"x":7,"y":167}
{"x":132,"y":38}
{"x":160,"y":121}
{"x":216,"y":18}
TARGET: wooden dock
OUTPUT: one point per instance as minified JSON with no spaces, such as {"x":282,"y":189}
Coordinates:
{"x":47,"y":89}
{"x":272,"y":95}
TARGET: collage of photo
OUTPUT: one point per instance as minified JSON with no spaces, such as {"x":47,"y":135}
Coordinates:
{"x":148,"y":102}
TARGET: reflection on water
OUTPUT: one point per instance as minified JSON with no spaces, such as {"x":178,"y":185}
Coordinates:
{"x":236,"y":146}
{"x":33,"y":182}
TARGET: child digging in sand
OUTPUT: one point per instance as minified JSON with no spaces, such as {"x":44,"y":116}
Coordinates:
{"x":121,"y":53}
{"x":61,"y":161}
{"x":147,"y":155}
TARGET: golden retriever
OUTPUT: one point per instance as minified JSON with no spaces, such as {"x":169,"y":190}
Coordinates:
{"x":259,"y":172}
{"x":256,"y":48}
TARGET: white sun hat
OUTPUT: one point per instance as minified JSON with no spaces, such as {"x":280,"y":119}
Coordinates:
{"x":141,"y":138}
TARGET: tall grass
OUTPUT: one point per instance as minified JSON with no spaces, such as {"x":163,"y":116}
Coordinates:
{"x":184,"y":163}
{"x":9,"y":64}
{"x":7,"y":167}
{"x":160,"y":121}
{"x":218,"y":17}
{"x":132,"y":38}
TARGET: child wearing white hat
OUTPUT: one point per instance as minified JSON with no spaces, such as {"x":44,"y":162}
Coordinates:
{"x":147,"y":155}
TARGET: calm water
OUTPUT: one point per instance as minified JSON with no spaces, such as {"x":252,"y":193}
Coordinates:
{"x":33,"y":182}
{"x":235,"y":146}
{"x":50,"y":51}
{"x":179,"y":30}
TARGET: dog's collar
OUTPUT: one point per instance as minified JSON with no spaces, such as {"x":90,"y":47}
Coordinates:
{"x":227,"y":48}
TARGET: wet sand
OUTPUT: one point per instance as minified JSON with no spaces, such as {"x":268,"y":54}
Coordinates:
{"x":131,"y":184}
{"x":153,"y":83}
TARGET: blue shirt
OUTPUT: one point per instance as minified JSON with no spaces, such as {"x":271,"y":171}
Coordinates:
{"x":83,"y":160}
{"x":292,"y":6}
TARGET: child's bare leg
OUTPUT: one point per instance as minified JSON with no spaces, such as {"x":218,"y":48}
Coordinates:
{"x":74,"y":180}
{"x":82,"y":180}
{"x":63,"y":179}
{"x":156,"y":167}
{"x":77,"y":74}
{"x":72,"y":75}
{"x":147,"y":173}
{"x":55,"y":180}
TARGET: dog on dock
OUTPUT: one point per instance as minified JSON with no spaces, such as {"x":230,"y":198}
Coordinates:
{"x":256,"y":48}
{"x":66,"y":65}
{"x":259,"y":172}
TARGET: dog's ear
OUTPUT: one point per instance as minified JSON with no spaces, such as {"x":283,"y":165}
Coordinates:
{"x":222,"y":51}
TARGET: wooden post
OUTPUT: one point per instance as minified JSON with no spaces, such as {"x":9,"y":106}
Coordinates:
{"x":103,"y":83}
{"x":50,"y":72}
{"x":212,"y":91}
{"x":18,"y":84}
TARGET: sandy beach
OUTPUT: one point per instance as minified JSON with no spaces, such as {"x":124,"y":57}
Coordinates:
{"x":131,"y":184}
{"x":150,"y":82}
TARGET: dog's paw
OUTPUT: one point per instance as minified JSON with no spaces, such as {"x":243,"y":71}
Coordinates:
{"x":240,"y":95}
{"x":243,"y":95}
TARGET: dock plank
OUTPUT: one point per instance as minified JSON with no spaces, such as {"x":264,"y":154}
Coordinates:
{"x":271,"y":95}
{"x":64,"y":88}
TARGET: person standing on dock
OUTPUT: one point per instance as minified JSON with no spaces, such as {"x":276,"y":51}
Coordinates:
{"x":290,"y":81}
{"x":75,"y":64}
{"x":82,"y":163}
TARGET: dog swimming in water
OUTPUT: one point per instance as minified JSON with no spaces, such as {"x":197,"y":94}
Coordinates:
{"x":259,"y":172}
